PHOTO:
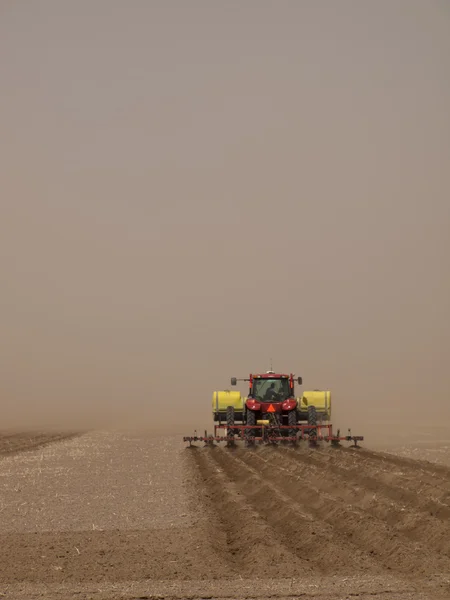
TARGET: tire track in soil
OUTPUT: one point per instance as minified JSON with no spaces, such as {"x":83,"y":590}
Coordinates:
{"x":308,"y":538}
{"x":436,"y":484}
{"x":435,"y":481}
{"x":14,"y":443}
{"x":411,"y":513}
{"x":371,"y":535}
{"x":416,"y":482}
{"x":242,"y":539}
{"x":434,"y":470}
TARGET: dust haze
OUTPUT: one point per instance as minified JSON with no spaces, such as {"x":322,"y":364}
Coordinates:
{"x":189,"y":189}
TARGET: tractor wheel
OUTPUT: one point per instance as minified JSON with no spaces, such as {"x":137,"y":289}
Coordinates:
{"x":312,"y":420}
{"x":251,"y":421}
{"x":230,"y":421}
{"x":292,"y":422}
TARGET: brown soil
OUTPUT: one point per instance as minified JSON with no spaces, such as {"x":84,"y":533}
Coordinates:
{"x":11,"y":443}
{"x":114,"y":515}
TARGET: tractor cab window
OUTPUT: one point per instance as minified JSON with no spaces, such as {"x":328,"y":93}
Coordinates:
{"x":271,"y":390}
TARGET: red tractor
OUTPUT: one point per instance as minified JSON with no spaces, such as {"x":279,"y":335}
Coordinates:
{"x":272,"y":402}
{"x":271,"y":413}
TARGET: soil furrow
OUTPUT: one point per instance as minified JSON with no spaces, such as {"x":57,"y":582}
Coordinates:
{"x":411,"y":514}
{"x":431,"y":497}
{"x":372,"y":536}
{"x":241,"y":537}
{"x":13,"y":443}
{"x":416,"y":480}
{"x":431,"y":472}
{"x":310,"y":538}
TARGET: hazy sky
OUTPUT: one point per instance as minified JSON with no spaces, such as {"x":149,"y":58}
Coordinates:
{"x":191,"y":188}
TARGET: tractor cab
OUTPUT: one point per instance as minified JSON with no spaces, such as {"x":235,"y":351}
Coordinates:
{"x":270,"y":388}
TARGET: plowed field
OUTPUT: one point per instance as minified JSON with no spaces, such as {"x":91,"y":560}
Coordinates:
{"x":114,"y":515}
